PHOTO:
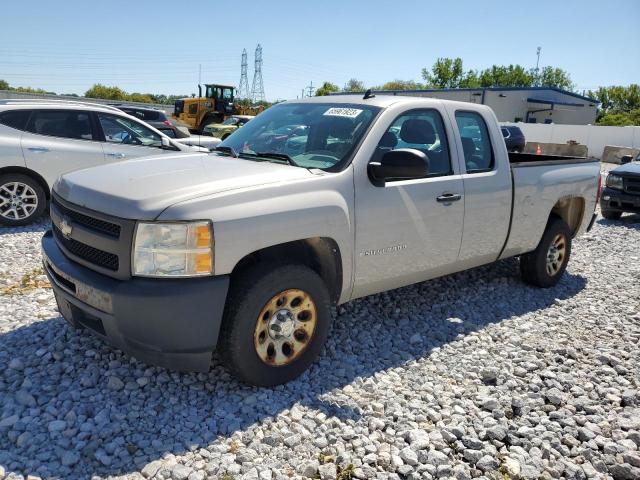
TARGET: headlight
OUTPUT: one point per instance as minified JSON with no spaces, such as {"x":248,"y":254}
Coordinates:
{"x":614,"y":181}
{"x":173,"y":250}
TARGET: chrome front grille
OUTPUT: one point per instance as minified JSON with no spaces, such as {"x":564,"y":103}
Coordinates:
{"x":632,"y":185}
{"x":93,"y":239}
{"x":90,"y":222}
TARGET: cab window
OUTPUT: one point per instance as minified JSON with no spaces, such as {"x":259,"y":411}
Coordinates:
{"x":421,"y":130}
{"x":122,"y":130}
{"x":476,"y":143}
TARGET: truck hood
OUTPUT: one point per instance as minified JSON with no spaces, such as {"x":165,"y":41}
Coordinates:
{"x":631,"y":167}
{"x":142,"y":188}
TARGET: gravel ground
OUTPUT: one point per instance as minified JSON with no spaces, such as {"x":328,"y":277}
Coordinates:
{"x":471,"y":376}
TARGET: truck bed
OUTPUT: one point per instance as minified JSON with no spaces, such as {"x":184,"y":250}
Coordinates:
{"x":531,"y":159}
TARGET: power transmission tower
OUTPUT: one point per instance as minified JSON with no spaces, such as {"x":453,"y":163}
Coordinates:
{"x":310,"y":89}
{"x":257,"y":92}
{"x":243,"y":87}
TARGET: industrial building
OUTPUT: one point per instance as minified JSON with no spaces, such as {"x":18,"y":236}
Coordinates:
{"x":520,"y":104}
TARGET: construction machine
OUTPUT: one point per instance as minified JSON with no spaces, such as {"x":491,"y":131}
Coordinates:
{"x":215,"y":107}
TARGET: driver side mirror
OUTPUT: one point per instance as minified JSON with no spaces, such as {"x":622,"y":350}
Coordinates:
{"x":400,"y":164}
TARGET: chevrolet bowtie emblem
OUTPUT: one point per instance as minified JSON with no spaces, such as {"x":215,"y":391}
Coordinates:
{"x":65,"y":228}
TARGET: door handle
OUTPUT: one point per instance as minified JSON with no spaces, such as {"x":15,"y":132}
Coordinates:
{"x":38,"y":149}
{"x":115,"y":155}
{"x":449,"y":197}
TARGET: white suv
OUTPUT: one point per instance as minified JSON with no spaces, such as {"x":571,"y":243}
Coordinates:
{"x":42,"y":139}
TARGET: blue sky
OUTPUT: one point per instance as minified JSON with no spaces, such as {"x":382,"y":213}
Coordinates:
{"x":66,"y":46}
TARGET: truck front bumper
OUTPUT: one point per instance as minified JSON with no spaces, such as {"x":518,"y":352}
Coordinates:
{"x":172,"y":323}
{"x":619,"y":201}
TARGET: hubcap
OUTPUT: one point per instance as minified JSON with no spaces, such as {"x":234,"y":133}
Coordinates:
{"x":556,"y":254}
{"x":17,"y":200}
{"x":285,"y":327}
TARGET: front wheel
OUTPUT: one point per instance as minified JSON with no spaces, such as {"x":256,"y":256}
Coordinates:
{"x":275,"y":324}
{"x":545,"y":265}
{"x":22,"y":199}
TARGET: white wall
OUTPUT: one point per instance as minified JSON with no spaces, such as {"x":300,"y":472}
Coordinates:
{"x":593,"y":136}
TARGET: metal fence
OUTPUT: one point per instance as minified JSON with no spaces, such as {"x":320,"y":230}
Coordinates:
{"x":8,"y":94}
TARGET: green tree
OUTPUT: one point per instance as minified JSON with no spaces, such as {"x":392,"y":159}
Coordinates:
{"x":445,"y":73}
{"x":326,"y":88}
{"x":353,"y":85}
{"x":4,"y":85}
{"x":400,"y":85}
{"x":620,"y":119}
{"x":505,"y":76}
{"x":555,"y":77}
{"x":102,"y":91}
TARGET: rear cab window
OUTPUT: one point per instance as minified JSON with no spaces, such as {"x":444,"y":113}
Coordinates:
{"x":15,"y":118}
{"x":74,"y":124}
{"x":476,"y":142}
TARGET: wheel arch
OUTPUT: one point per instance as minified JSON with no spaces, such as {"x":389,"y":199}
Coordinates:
{"x":321,"y":254}
{"x":31,"y":173}
{"x":571,"y":210}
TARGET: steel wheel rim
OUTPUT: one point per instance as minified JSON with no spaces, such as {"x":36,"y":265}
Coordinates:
{"x":285,"y":327}
{"x":556,"y":254}
{"x":17,"y":201}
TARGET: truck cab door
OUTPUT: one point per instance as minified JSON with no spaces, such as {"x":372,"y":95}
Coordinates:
{"x":487,"y":185}
{"x":408,"y":231}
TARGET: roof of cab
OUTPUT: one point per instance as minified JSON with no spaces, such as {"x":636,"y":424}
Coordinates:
{"x":384,"y":101}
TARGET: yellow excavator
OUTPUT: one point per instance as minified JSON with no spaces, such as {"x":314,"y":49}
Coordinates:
{"x":216,"y":106}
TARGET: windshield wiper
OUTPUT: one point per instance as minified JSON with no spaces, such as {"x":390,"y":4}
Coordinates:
{"x":279,"y":156}
{"x":227,"y":150}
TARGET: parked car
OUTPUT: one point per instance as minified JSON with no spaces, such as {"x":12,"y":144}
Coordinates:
{"x":226,"y":128}
{"x":245,"y":250}
{"x":40,"y":140}
{"x":622,"y":190}
{"x":159,"y":120}
{"x":156,"y":118}
{"x":513,"y":138}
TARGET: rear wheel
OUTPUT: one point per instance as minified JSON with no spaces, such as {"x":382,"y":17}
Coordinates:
{"x":611,"y":214}
{"x":546,"y":264}
{"x":22,"y":199}
{"x":276,"y":322}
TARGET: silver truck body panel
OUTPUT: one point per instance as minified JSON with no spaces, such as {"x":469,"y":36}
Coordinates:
{"x":140,"y":190}
{"x":387,"y":236}
{"x":537,"y":188}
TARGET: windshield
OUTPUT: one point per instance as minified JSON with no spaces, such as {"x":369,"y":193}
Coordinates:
{"x":313,"y":135}
{"x":230,"y":121}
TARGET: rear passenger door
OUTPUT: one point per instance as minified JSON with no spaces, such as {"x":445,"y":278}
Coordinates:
{"x":126,"y":138}
{"x":60,"y":141}
{"x":487,"y":187}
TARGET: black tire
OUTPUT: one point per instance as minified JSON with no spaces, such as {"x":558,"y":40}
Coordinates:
{"x":40,"y":200}
{"x":533,"y":265}
{"x":224,"y":137}
{"x":249,"y":295}
{"x":209,"y":119}
{"x":611,"y":214}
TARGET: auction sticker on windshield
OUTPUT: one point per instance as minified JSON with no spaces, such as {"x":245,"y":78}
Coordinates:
{"x":343,"y":112}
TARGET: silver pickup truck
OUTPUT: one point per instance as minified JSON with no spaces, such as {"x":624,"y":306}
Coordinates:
{"x":313,"y":203}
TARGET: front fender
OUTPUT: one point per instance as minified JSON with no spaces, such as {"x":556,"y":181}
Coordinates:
{"x":248,"y":220}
